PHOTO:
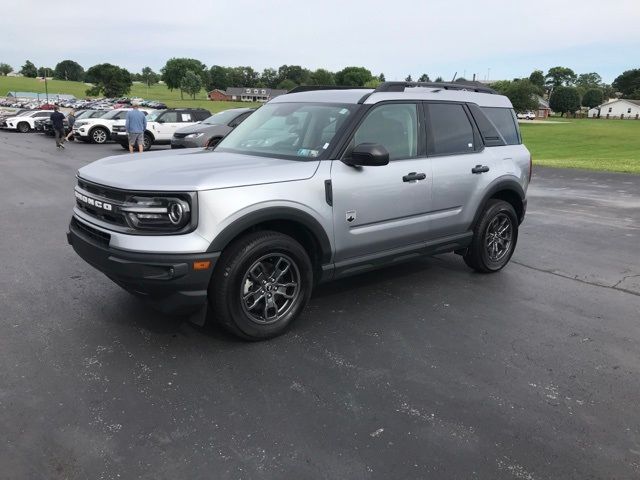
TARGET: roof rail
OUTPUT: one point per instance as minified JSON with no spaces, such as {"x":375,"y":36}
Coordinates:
{"x":312,"y":88}
{"x":468,"y":86}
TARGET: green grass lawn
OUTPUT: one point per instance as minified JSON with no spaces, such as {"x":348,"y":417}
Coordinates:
{"x":156,"y":92}
{"x":593,"y":144}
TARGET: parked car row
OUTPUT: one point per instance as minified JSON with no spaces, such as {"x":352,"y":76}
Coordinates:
{"x":178,"y":127}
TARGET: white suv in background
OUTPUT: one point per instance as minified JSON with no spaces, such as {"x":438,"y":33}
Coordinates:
{"x":98,"y":130}
{"x":161,"y":125}
{"x":26,"y":121}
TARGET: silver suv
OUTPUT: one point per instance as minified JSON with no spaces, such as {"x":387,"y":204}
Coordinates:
{"x":315,"y":185}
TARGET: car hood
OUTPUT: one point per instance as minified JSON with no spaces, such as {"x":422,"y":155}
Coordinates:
{"x":193,"y":170}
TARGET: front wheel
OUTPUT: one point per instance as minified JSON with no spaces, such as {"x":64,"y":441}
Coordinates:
{"x":494,"y":238}
{"x":99,"y":135}
{"x":23,"y":127}
{"x":147,"y":142}
{"x":261,"y":284}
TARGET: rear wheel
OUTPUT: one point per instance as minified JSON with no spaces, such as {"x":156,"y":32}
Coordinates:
{"x":23,"y":127}
{"x":494,"y":238}
{"x":261,"y":284}
{"x":99,"y":135}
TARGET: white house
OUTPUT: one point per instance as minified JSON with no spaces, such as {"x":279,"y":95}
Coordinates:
{"x":617,"y":108}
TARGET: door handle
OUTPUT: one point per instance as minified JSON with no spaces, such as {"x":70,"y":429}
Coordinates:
{"x":480,"y":169}
{"x":410,"y":177}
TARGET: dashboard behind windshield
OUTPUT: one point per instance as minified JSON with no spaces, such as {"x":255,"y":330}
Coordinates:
{"x":296,"y":131}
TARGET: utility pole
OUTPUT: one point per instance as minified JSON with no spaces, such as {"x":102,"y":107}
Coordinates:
{"x":46,"y":87}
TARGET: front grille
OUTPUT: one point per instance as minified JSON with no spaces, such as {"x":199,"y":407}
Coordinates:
{"x":179,"y":135}
{"x":112,"y":196}
{"x":96,"y":235}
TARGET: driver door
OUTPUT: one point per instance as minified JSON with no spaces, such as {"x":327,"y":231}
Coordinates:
{"x":166,"y":125}
{"x":384,"y":207}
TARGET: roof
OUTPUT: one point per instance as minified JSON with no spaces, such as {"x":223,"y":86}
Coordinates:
{"x":415,"y":93}
{"x":272,"y":92}
{"x":542,"y":103}
{"x":633,"y":102}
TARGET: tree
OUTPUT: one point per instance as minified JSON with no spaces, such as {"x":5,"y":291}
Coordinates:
{"x":218,"y":78}
{"x":242,"y":77}
{"x":108,"y":80}
{"x":628,"y":82}
{"x":592,"y":98}
{"x":295,"y":73}
{"x":381,"y":77}
{"x":564,"y":100}
{"x":522,"y":95}
{"x":373,"y":83}
{"x":537,"y":78}
{"x":558,"y":76}
{"x":439,"y":80}
{"x":323,"y":77}
{"x":44,"y":71}
{"x":589,"y":80}
{"x":175,"y":69}
{"x":149,"y":77}
{"x":408,"y":78}
{"x":29,"y":70}
{"x":353,"y":76}
{"x":424,"y":78}
{"x":269,"y":77}
{"x":287,"y":84}
{"x":5,"y":69}
{"x":68,"y":70}
{"x":191,"y":83}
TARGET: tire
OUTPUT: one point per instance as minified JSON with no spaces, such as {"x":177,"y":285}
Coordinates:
{"x":99,"y":135}
{"x":125,"y":146}
{"x":494,"y":238}
{"x":245,"y":267}
{"x":147,"y":142}
{"x":23,"y":127}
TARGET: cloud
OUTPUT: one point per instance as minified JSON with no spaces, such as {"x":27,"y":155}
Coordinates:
{"x":413,"y":36}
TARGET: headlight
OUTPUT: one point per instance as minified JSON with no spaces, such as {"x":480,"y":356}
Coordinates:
{"x":194,"y":135}
{"x":169,"y":214}
{"x":80,"y":124}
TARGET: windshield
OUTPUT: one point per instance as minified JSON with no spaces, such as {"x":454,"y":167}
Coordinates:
{"x":110,"y":114}
{"x":152,"y":116}
{"x":296,"y":131}
{"x":223,"y":118}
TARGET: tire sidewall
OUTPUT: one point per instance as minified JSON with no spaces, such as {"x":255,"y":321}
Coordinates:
{"x":94,"y":131}
{"x":493,"y":211}
{"x":235,"y":270}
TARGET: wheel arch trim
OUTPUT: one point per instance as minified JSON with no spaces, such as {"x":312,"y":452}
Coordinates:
{"x":501,"y":185}
{"x":274,"y":213}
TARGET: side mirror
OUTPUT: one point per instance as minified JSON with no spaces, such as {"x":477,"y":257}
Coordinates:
{"x":368,"y":155}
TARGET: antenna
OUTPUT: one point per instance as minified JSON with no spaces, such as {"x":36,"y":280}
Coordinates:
{"x":454,"y":77}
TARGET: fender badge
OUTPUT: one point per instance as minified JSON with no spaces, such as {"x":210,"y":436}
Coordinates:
{"x":351,"y":216}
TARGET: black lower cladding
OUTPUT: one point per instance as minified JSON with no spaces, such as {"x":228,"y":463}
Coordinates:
{"x":168,"y":281}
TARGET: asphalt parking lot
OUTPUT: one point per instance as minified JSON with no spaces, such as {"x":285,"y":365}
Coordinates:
{"x":425,"y":370}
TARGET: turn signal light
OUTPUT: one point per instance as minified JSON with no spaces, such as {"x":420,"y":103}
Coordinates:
{"x":201,"y":265}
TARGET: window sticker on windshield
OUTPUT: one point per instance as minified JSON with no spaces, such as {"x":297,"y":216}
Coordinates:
{"x":325,"y":146}
{"x":343,"y":111}
{"x":305,"y":152}
{"x":186,"y":117}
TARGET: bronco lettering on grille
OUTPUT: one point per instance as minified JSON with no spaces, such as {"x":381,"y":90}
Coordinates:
{"x":93,"y":202}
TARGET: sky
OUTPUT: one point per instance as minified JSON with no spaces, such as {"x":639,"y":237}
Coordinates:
{"x":495,"y":39}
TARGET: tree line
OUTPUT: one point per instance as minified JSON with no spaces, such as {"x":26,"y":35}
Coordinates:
{"x":566,"y":90}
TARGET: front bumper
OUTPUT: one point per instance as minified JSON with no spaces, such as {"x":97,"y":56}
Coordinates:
{"x":188,"y":142}
{"x":120,"y":137}
{"x":168,"y":281}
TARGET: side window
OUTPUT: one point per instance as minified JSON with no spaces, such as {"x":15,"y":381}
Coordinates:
{"x":185,"y":117}
{"x":450,"y":131}
{"x":169,"y":117}
{"x":504,"y":121}
{"x":201,"y":115}
{"x":121,"y":115}
{"x":394,"y":126}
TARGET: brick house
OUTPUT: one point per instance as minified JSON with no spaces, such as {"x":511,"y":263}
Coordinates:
{"x":245,"y":94}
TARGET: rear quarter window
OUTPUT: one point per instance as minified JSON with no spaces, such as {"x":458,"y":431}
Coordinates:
{"x":505,"y":121}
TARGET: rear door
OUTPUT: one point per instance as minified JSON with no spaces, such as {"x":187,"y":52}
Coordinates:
{"x":385,"y":207}
{"x":460,"y":166}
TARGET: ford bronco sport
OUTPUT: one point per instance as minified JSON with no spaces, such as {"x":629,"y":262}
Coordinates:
{"x":315,"y":185}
